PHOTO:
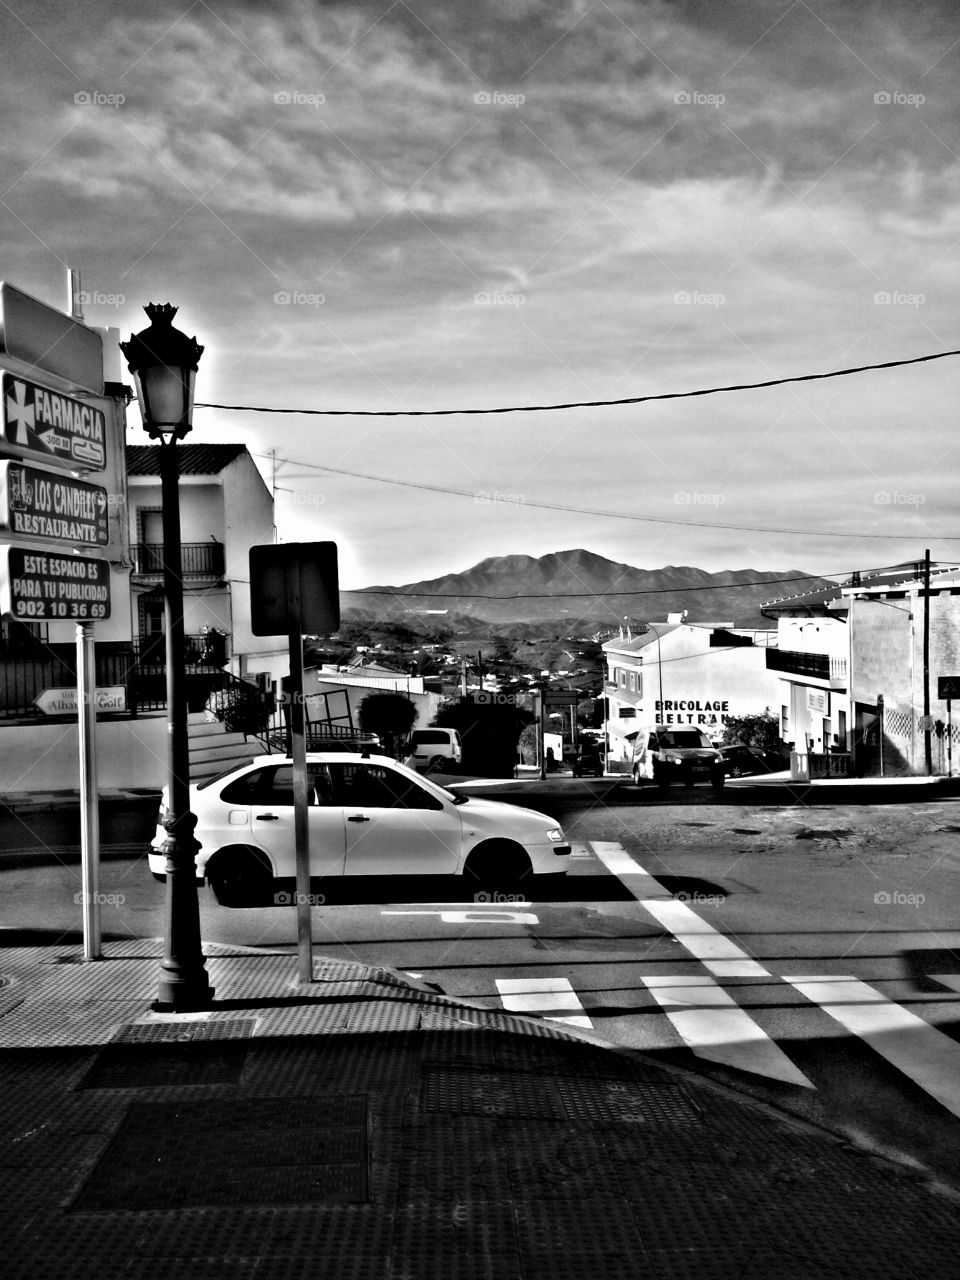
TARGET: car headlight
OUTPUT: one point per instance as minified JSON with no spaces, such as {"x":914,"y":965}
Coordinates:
{"x":555,"y":835}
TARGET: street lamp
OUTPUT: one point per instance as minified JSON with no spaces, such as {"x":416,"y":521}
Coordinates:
{"x":163,"y":362}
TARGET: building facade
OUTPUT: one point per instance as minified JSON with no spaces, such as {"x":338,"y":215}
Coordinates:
{"x":684,"y":673}
{"x":225,"y":509}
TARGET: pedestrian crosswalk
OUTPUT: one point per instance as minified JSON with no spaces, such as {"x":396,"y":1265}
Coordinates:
{"x":707,"y":1018}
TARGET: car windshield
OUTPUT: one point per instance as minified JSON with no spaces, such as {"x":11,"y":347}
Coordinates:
{"x":683,"y":739}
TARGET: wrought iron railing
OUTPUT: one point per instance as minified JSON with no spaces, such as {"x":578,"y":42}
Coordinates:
{"x":199,"y":559}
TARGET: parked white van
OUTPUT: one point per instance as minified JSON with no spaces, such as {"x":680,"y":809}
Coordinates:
{"x":434,"y":749}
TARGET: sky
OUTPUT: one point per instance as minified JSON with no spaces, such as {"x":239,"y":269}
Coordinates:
{"x":434,"y":204}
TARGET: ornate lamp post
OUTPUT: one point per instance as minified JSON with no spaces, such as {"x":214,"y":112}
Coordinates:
{"x":163,"y":362}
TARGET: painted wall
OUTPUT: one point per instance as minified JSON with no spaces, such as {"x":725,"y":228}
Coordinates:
{"x":887,"y":640}
{"x":46,"y":757}
{"x":698,"y":685}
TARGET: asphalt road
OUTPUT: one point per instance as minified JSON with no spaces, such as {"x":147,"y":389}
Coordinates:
{"x":807,"y":954}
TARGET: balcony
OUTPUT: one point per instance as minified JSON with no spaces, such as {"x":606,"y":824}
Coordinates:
{"x":831,"y":671}
{"x":202,"y":561}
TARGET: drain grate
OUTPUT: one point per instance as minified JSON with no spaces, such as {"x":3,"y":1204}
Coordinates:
{"x":161,"y":1054}
{"x":263,"y":1152}
{"x":184,"y":1031}
{"x":524,"y":1096}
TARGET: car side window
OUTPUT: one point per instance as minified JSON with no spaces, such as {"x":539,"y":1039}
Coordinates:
{"x":320,"y":790}
{"x":369,"y":786}
{"x":254,"y":787}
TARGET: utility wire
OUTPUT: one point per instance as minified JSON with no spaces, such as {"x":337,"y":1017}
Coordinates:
{"x":581,"y":404}
{"x":477,"y":495}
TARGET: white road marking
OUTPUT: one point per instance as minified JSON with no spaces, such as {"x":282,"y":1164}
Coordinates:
{"x":951,"y":980}
{"x":537,"y":995}
{"x":713,"y":1026}
{"x":924,"y":1054}
{"x":478,"y":915}
{"x":716,"y":950}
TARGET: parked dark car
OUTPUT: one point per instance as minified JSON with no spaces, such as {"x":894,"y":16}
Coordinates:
{"x":588,"y":761}
{"x":741,"y":761}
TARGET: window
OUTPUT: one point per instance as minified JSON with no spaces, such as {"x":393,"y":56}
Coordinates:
{"x":632,"y":683}
{"x":623,"y":679}
{"x":371,"y":786}
{"x":272,"y":785}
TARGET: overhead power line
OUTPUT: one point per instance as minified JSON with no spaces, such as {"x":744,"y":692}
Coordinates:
{"x":477,"y":495}
{"x":580,"y":404}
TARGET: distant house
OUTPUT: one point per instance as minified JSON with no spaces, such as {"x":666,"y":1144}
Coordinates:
{"x":225,"y":508}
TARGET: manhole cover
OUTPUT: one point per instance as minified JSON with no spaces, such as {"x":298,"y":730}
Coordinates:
{"x":522,"y":1095}
{"x":262,"y":1151}
{"x":154,"y":1055}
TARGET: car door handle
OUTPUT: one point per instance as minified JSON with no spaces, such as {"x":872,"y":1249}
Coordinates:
{"x":268,"y":817}
{"x":358,"y":817}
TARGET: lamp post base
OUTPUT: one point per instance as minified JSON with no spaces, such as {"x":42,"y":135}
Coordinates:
{"x":182,"y":997}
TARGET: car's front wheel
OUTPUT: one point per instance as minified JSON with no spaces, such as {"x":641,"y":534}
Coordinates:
{"x":496,"y":863}
{"x":240,"y":877}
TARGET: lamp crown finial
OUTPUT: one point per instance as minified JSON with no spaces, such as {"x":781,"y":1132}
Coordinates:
{"x":161,"y":312}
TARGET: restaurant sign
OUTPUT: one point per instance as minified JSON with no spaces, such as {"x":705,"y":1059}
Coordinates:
{"x":50,"y":506}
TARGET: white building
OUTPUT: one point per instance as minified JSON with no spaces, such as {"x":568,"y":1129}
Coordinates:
{"x":689,"y":673}
{"x":225,"y":509}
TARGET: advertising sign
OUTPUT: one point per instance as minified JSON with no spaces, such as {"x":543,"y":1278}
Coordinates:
{"x":50,"y":427}
{"x":42,"y":586}
{"x":41,"y":336}
{"x":50,"y":506}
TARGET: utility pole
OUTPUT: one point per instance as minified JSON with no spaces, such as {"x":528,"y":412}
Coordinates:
{"x":927,"y":737}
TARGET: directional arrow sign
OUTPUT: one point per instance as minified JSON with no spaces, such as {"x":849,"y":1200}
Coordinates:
{"x":63,"y":702}
{"x":50,"y":506}
{"x":44,"y":424}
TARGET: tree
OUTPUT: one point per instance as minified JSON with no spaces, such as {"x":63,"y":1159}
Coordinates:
{"x":489,"y":733}
{"x":762,"y":732}
{"x":390,"y":716}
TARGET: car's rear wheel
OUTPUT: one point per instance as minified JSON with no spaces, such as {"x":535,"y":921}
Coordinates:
{"x":496,"y":863}
{"x":437,"y":764}
{"x":240,"y":877}
{"x":719,"y":781}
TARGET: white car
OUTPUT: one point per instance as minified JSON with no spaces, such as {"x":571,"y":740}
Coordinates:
{"x":368,"y":816}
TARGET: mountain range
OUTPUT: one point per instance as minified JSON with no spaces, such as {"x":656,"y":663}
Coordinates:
{"x":576,"y":589}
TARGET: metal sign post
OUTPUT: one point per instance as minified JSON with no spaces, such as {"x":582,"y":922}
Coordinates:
{"x":89,"y":816}
{"x":294,"y":588}
{"x":298,"y":751}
